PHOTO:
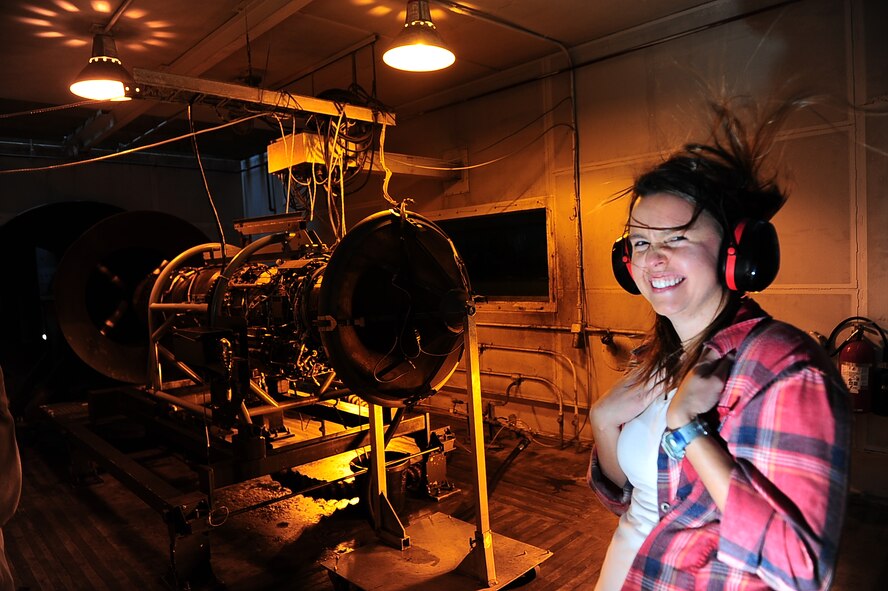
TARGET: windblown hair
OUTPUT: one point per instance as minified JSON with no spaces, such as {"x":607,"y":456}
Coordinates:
{"x":725,"y":178}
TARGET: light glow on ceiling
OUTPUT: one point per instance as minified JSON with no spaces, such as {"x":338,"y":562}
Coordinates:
{"x":42,"y":11}
{"x":66,"y":6}
{"x":67,"y":24}
{"x":34,"y":21}
{"x":135,"y":13}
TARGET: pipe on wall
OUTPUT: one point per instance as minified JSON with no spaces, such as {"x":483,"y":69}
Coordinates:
{"x":556,"y":390}
{"x":573,"y":370}
{"x":632,"y":334}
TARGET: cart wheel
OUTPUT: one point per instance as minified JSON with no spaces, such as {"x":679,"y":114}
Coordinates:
{"x":523,"y":579}
{"x":340,"y":584}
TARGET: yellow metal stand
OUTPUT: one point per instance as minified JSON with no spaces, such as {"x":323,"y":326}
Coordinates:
{"x":480,"y":560}
{"x":437,"y":552}
{"x":385,"y":520}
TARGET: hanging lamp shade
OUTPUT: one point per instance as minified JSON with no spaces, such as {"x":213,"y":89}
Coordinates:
{"x":104,"y":77}
{"x":418,"y":47}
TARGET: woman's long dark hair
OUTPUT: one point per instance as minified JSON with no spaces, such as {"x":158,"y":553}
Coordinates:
{"x":723,"y":177}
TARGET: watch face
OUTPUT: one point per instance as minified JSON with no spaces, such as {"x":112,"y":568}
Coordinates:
{"x":674,"y":444}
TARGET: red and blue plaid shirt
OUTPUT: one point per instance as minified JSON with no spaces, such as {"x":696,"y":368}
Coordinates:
{"x":785,"y":417}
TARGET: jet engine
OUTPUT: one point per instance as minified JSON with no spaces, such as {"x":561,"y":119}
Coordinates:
{"x":284,"y":317}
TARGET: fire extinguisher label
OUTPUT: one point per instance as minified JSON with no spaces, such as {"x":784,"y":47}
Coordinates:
{"x":856,"y":377}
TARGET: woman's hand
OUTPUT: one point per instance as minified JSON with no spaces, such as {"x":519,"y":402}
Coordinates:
{"x":698,"y":393}
{"x":700,"y":390}
{"x":622,"y":403}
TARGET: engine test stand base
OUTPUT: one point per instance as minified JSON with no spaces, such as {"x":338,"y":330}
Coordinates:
{"x":437,"y":551}
{"x":439,"y":545}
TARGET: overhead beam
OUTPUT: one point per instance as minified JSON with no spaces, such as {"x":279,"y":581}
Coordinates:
{"x":152,"y":84}
{"x":262,"y":15}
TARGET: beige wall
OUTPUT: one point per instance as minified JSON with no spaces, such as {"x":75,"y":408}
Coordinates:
{"x":632,"y":109}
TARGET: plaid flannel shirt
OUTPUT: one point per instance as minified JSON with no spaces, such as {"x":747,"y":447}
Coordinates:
{"x":785,"y":417}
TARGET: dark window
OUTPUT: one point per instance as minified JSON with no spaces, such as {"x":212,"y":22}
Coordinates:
{"x":505,"y":253}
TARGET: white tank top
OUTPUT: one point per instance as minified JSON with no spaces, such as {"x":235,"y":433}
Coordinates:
{"x":637,"y":449}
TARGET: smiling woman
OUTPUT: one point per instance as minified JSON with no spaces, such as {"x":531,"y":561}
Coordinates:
{"x":674,"y":260}
{"x":696,"y":447}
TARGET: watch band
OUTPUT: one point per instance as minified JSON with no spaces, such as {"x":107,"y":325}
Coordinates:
{"x":675,"y":441}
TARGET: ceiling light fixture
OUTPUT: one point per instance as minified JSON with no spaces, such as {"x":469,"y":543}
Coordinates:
{"x":418,"y":47}
{"x":104,"y":77}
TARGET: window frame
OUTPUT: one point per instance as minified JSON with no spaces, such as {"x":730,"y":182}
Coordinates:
{"x":505,"y":304}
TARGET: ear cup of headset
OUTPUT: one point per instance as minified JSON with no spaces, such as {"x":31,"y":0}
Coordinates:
{"x":621,"y":262}
{"x":751,"y":260}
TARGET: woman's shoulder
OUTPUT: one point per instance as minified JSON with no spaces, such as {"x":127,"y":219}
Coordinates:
{"x":780,"y":345}
{"x":780,"y":359}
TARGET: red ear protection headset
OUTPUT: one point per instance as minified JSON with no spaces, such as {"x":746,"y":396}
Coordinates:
{"x":748,"y":261}
{"x":621,"y":262}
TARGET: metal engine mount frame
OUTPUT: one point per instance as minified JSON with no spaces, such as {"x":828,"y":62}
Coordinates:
{"x":233,"y":350}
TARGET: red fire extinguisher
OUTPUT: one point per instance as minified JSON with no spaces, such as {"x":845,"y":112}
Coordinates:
{"x":858,"y":360}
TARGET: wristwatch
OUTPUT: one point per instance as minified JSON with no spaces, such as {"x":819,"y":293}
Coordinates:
{"x":675,"y":441}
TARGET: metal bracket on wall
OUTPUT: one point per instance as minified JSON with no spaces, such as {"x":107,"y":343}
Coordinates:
{"x":310,"y":148}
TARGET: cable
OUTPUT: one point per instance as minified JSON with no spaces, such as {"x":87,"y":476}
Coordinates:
{"x":473,"y":166}
{"x":388,"y":172}
{"x":492,"y":439}
{"x":132,"y":150}
{"x":203,"y":175}
{"x":249,"y":50}
{"x":501,"y":469}
{"x":56,"y":108}
{"x":333,"y":160}
{"x":526,"y":125}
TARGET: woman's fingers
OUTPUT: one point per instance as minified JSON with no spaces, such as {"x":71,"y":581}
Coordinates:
{"x":713,"y":365}
{"x":702,"y":387}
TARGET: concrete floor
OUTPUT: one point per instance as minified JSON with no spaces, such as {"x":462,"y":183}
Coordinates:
{"x":100,"y":536}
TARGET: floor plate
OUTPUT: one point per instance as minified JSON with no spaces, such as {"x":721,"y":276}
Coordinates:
{"x":438,"y":544}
